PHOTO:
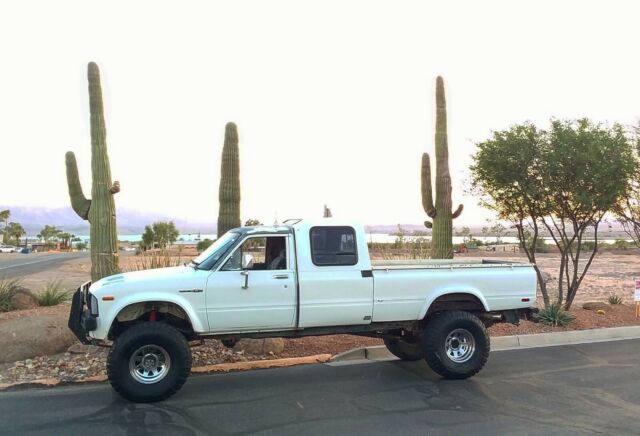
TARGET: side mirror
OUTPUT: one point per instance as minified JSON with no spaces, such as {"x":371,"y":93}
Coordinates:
{"x":247,"y":261}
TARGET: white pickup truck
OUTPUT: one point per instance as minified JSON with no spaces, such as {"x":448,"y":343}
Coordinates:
{"x":302,"y":278}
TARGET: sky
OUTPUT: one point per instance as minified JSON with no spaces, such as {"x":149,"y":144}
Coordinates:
{"x":334,"y":100}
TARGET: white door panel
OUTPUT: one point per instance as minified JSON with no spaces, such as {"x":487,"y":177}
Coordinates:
{"x":267,"y":303}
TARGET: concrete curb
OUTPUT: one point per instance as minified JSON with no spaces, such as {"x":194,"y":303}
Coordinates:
{"x":503,"y":343}
{"x":220,"y":367}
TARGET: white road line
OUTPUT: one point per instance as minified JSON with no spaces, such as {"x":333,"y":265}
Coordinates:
{"x":27,"y":263}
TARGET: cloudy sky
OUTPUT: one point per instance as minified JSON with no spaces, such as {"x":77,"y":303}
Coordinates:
{"x":334,"y":100}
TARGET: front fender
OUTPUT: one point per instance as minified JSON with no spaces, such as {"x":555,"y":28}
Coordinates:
{"x":109,"y":310}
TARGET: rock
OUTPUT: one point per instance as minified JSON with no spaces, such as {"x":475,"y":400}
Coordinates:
{"x":260,"y":346}
{"x":24,"y":299}
{"x":79,"y":348}
{"x":595,"y":305}
{"x":37,"y":335}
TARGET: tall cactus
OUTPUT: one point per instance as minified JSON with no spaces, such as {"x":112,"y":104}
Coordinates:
{"x":100,"y":210}
{"x":229,"y":194}
{"x":441,"y":243}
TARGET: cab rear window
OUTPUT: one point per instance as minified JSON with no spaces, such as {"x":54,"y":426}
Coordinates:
{"x":333,"y":246}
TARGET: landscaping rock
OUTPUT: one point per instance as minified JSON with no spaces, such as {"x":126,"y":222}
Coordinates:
{"x":595,"y":305}
{"x":272,"y":346}
{"x":24,"y":299}
{"x":40,"y":335}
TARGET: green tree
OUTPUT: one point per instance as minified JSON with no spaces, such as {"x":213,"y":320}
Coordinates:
{"x":49,"y":233}
{"x":66,"y":238}
{"x":16,"y":231}
{"x":497,"y":230}
{"x":627,"y":211}
{"x":4,"y":216}
{"x":148,"y":238}
{"x":563,"y":180}
{"x":165,"y":233}
{"x":203,"y":245}
{"x":466,"y":234}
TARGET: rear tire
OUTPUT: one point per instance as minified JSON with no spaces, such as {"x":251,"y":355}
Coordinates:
{"x":149,"y":362}
{"x":456,"y":344}
{"x":409,"y":351}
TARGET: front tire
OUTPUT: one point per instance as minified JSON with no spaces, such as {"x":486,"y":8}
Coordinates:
{"x":456,"y":344}
{"x":149,"y":362}
{"x":409,"y":351}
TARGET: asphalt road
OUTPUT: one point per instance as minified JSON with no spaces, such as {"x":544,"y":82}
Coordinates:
{"x":14,"y":265}
{"x":581,"y":389}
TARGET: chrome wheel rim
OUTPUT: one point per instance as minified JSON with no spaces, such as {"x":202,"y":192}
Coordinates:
{"x":149,"y":364}
{"x":460,"y":345}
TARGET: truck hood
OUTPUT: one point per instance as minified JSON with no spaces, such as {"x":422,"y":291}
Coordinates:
{"x":134,"y":279}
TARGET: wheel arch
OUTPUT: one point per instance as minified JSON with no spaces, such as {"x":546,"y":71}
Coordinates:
{"x":174,"y":313}
{"x":454,"y":299}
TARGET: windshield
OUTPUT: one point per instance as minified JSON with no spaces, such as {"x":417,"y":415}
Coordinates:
{"x":217,"y":249}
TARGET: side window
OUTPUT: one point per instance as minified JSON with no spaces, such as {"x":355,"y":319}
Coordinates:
{"x":333,"y":246}
{"x":268,"y":253}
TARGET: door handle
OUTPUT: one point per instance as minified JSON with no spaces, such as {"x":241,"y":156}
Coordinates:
{"x":245,"y":273}
{"x":281,"y":276}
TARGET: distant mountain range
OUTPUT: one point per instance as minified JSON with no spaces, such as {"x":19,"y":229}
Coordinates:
{"x":130,"y":221}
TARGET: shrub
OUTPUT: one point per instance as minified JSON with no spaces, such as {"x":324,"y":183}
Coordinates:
{"x":555,"y":315}
{"x":81,"y":246}
{"x":8,"y":290}
{"x":614,"y":299}
{"x":203,"y":245}
{"x":621,"y":244}
{"x":53,"y":293}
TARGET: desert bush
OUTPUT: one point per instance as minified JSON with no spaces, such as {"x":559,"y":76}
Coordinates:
{"x":555,"y":315}
{"x":53,"y":293}
{"x":203,"y":245}
{"x":8,"y":290}
{"x":614,"y":299}
{"x":621,"y":244}
{"x":155,"y":259}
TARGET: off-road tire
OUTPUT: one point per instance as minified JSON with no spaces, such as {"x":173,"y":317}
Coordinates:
{"x":409,"y":351}
{"x":159,"y":334}
{"x":434,"y":344}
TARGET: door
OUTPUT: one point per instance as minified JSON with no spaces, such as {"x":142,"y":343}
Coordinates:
{"x":260,"y":295}
{"x":336,"y":284}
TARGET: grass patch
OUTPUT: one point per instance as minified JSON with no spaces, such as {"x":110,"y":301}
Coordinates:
{"x":53,"y":293}
{"x":555,"y":315}
{"x":155,"y":259}
{"x":8,"y":290}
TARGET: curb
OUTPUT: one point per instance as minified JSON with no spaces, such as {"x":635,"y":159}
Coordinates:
{"x":504,"y":343}
{"x":219,"y":367}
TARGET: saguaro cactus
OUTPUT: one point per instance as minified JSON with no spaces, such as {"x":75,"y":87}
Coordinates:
{"x":229,"y":193}
{"x":441,"y":243}
{"x":100,"y":210}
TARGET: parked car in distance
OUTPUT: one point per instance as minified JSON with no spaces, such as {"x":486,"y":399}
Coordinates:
{"x":7,"y":249}
{"x":25,"y":250}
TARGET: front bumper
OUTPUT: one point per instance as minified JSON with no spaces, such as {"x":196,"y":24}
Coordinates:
{"x":81,"y":322}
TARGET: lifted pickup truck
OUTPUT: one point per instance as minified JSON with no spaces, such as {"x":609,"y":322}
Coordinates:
{"x":302,"y":278}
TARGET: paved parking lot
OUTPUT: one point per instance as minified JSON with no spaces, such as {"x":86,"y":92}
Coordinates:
{"x":579,"y":389}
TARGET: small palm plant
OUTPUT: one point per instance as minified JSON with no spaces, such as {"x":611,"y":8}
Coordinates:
{"x":53,"y":293}
{"x":614,"y":299}
{"x":8,"y":290}
{"x":555,"y":315}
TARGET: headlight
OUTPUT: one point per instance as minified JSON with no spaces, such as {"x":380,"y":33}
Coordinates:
{"x":93,"y":305}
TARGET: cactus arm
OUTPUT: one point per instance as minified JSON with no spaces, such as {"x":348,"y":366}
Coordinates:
{"x":79,"y":202}
{"x":457,"y":212}
{"x":115,"y":188}
{"x":427,"y":196}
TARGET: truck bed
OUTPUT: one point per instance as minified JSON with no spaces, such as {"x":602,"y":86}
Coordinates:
{"x":444,"y":264}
